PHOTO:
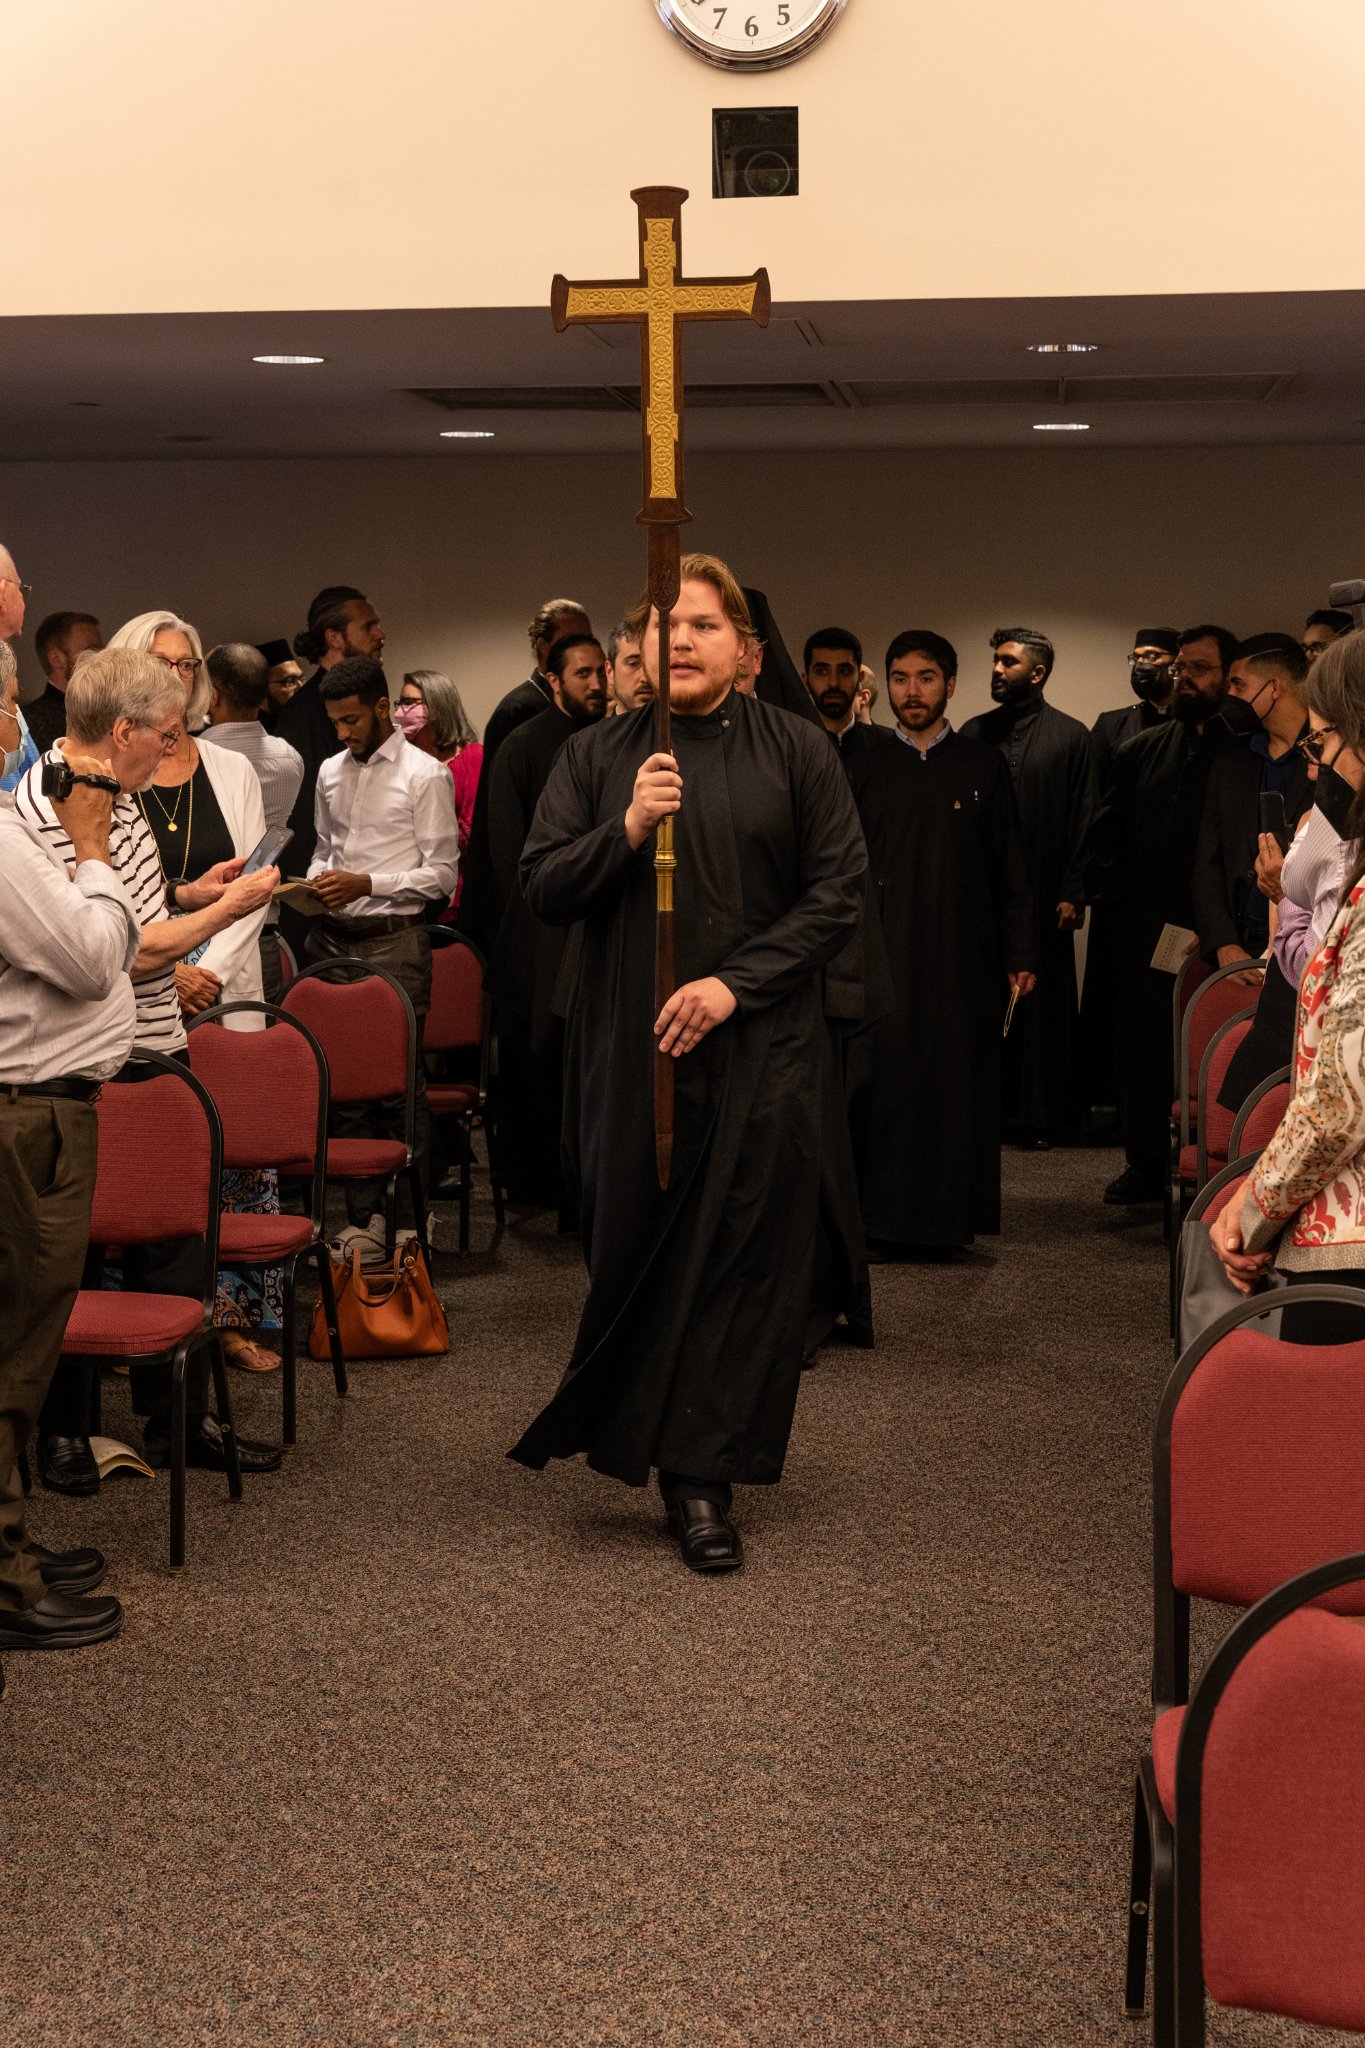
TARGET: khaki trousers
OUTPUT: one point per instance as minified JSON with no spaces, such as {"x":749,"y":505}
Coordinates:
{"x":48,"y":1149}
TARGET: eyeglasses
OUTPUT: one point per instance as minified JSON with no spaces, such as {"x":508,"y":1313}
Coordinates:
{"x":1312,"y":743}
{"x":169,"y":739}
{"x":24,"y":589}
{"x":1147,"y":660}
{"x":188,"y":669}
{"x":1194,"y":669}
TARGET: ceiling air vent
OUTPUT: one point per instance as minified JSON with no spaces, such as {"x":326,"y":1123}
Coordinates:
{"x":1255,"y":389}
{"x":612,"y":398}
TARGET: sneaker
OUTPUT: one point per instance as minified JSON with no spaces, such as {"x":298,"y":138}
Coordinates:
{"x":370,"y":1240}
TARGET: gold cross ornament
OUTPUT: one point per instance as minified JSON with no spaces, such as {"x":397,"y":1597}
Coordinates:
{"x":659,"y":301}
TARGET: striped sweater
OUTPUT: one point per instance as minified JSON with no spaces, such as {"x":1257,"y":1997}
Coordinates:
{"x":136,"y":862}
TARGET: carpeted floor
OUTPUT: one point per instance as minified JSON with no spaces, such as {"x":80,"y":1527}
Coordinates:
{"x":424,"y":1750}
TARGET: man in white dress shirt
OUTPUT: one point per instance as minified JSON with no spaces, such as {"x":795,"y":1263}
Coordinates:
{"x":385,"y":861}
{"x":67,"y":941}
{"x":239,"y":686}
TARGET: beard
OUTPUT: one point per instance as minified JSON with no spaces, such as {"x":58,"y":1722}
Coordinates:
{"x":698,"y":692}
{"x":835,"y":703}
{"x":918,"y":717}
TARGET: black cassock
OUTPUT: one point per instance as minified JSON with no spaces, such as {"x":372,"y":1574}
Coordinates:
{"x":1052,"y":764}
{"x":950,"y":875}
{"x":689,"y":1351}
{"x":481,"y":899}
{"x":524,"y":967}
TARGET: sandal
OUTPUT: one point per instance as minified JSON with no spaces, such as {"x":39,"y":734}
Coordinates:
{"x":247,"y":1355}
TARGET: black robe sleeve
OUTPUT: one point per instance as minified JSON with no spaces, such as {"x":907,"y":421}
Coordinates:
{"x":1082,"y":808}
{"x":833,"y":857}
{"x":570,"y":860}
{"x":1018,"y":924}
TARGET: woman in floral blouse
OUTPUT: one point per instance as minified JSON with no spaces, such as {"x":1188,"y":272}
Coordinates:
{"x":1303,"y":1206}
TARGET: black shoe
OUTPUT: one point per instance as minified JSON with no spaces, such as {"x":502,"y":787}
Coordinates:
{"x":66,"y":1464}
{"x":68,"y":1571}
{"x":1133,"y":1185}
{"x":60,"y":1621}
{"x":204,"y":1448}
{"x":707,"y":1537}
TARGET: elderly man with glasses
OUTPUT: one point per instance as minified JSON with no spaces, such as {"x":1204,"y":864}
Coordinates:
{"x":13,"y":593}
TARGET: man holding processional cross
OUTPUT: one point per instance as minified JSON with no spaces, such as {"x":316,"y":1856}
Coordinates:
{"x":698,"y":990}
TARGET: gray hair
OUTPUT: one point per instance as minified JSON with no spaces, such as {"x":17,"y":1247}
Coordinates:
{"x":9,"y":668}
{"x":119,"y":682}
{"x":450,"y":722}
{"x":139,"y":634}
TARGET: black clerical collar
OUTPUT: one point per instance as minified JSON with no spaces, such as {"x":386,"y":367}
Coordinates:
{"x":718,"y":716}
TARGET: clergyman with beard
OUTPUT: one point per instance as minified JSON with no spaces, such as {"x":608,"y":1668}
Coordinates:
{"x":688,"y":1356}
{"x":834,"y":678}
{"x":1145,"y":843}
{"x":947,"y":859}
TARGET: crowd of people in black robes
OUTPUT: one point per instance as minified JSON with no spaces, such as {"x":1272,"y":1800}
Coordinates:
{"x":927,"y":1008}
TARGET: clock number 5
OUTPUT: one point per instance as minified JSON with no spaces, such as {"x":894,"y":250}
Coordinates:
{"x":784,"y":15}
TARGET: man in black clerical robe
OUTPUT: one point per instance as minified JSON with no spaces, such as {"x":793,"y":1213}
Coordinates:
{"x":482,"y":895}
{"x":689,"y":1351}
{"x":528,"y":953}
{"x":1149,"y":672}
{"x":1052,"y":768}
{"x":950,"y":878}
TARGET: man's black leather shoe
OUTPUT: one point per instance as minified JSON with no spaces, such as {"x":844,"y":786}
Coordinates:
{"x":708,"y":1539}
{"x":1133,"y":1186}
{"x":60,"y":1621}
{"x":68,"y":1571}
{"x":66,"y":1464}
{"x":204,"y":1448}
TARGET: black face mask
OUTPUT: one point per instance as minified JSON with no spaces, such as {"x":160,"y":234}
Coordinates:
{"x":1149,"y":681}
{"x":1239,"y":717}
{"x":1335,"y":798}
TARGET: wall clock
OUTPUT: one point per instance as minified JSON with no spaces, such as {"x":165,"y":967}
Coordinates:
{"x":750,"y":35}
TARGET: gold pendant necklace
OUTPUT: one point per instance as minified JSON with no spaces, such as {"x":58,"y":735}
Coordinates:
{"x":169,"y":818}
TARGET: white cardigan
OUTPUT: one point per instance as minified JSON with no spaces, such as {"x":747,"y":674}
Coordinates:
{"x":234,"y":955}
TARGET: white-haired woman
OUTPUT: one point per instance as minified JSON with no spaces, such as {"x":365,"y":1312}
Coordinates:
{"x":204,"y":806}
{"x":430,"y":711}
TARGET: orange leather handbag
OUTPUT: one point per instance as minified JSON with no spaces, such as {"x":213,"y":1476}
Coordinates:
{"x":389,"y":1313}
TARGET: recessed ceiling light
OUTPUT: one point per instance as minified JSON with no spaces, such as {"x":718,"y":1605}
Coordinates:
{"x":1062,"y":348}
{"x":292,"y":361}
{"x":467,"y":434}
{"x":1061,"y":426}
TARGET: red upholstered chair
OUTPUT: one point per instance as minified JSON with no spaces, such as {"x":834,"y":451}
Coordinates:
{"x":1262,"y":1776}
{"x":1219,"y":997}
{"x":270,"y":1090}
{"x":159,"y":1176}
{"x":367,"y":1028}
{"x":289,"y":966}
{"x":1191,"y":977}
{"x":1257,"y":1476}
{"x":1260,"y":1116}
{"x":459,"y":1022}
{"x":1214,"y":1121}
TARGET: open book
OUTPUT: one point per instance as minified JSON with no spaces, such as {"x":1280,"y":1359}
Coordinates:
{"x":112,"y":1456}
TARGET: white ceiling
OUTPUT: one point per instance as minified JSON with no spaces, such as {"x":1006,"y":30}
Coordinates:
{"x":149,"y":388}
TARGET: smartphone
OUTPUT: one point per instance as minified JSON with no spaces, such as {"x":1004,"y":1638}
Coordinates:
{"x":1273,"y":819}
{"x":278,"y":837}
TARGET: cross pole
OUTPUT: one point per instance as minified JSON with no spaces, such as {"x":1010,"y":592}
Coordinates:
{"x":659,"y":301}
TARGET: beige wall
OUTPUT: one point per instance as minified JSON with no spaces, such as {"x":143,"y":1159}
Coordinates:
{"x":161,"y":156}
{"x":457,"y":554}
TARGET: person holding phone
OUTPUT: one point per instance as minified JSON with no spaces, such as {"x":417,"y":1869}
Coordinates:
{"x":239,"y":687}
{"x":1265,"y":715}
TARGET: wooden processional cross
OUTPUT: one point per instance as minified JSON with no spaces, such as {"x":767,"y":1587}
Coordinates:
{"x":659,"y":301}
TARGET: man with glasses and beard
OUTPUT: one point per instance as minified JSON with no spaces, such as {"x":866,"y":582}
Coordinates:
{"x":950,"y":872}
{"x":1145,"y":842}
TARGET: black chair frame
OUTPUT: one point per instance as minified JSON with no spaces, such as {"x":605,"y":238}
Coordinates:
{"x":316,"y":1249}
{"x":1250,"y":1629}
{"x":347,"y":968}
{"x":1258,"y":1094}
{"x":1180,"y":1123}
{"x":156,"y":1062}
{"x":446,"y":935}
{"x":1151,"y":1893}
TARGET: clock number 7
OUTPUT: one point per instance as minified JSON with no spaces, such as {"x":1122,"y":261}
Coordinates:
{"x":720,"y":14}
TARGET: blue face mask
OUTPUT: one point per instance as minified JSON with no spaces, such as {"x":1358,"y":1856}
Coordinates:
{"x":18,"y":760}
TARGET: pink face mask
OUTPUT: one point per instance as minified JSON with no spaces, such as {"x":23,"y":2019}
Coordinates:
{"x":411,"y":719}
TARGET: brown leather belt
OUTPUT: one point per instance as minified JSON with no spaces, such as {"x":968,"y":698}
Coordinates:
{"x":353,"y":928}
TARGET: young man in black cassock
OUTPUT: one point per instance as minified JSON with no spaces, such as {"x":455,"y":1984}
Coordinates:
{"x":950,"y":876}
{"x":689,"y":1350}
{"x":1051,"y":764}
{"x":527,"y":953}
